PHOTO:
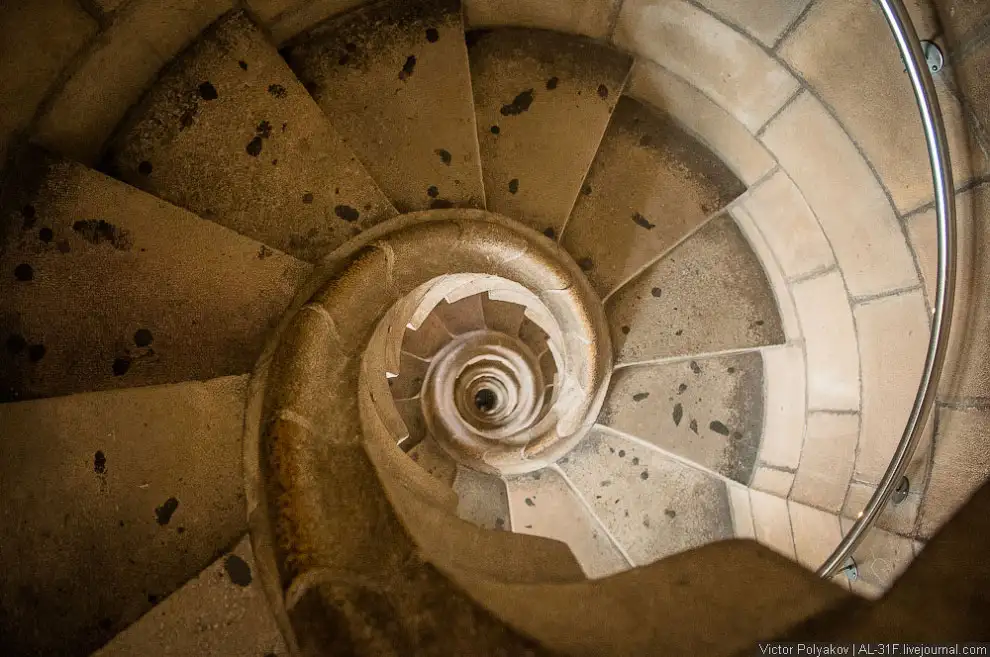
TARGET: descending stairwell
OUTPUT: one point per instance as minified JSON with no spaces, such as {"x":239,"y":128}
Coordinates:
{"x":489,"y":325}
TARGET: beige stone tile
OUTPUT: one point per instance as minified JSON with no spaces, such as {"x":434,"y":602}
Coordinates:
{"x":462,"y":316}
{"x":887,"y":127}
{"x":707,"y":295}
{"x":706,"y":411}
{"x":426,"y":340}
{"x":289,"y":18}
{"x":715,"y":127}
{"x":588,"y":17}
{"x":653,"y":505}
{"x":830,"y":343}
{"x":784,"y":406}
{"x":543,"y":504}
{"x":729,"y":68}
{"x":789,"y":226}
{"x":502,"y":315}
{"x":742,"y":512}
{"x":117,"y":67}
{"x":771,"y":267}
{"x":772,"y":523}
{"x":38,"y":40}
{"x":650,"y":186}
{"x":772,"y":481}
{"x":764,"y":20}
{"x":570,"y":82}
{"x":816,"y":534}
{"x":881,"y":557}
{"x":827,"y":460}
{"x":961,"y":465}
{"x":482,"y":499}
{"x":893,"y":339}
{"x":842,"y":191}
{"x":899,"y":518}
{"x":223,"y":611}
{"x":967,"y":369}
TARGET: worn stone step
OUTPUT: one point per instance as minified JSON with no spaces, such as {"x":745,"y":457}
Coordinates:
{"x":650,"y":186}
{"x":112,"y":501}
{"x":709,"y":294}
{"x":223,"y":611}
{"x":228,"y":132}
{"x":482,"y":499}
{"x":394,"y":79}
{"x":543,"y":100}
{"x":105,"y":286}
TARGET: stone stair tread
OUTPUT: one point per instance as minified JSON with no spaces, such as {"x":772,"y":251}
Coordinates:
{"x":394,"y":79}
{"x":223,"y":611}
{"x":650,"y":186}
{"x":503,"y":316}
{"x":112,"y":501}
{"x":105,"y":286}
{"x":229,"y":133}
{"x":543,"y":504}
{"x":462,"y":316}
{"x":481,"y":499}
{"x":654,"y":505}
{"x":707,"y":411}
{"x":540,"y":97}
{"x":709,"y":294}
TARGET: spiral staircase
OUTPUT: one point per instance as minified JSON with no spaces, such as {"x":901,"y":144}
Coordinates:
{"x":498,"y":341}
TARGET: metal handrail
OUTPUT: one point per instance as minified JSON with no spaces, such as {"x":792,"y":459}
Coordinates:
{"x":945,"y":207}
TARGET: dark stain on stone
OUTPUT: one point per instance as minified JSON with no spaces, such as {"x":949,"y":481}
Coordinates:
{"x":642,"y":221}
{"x":121,"y":365}
{"x":238,"y":570}
{"x":344,"y":59}
{"x":347,"y":213}
{"x":440,"y":204}
{"x":307,"y":198}
{"x":24,"y":272}
{"x":264,"y":130}
{"x":552,"y":83}
{"x":28,"y":213}
{"x":145,"y":168}
{"x":495,"y":129}
{"x":549,"y":232}
{"x":681,"y":388}
{"x":46,"y":235}
{"x":737,"y":435}
{"x":644,"y":475}
{"x":264,"y":252}
{"x":679,"y":332}
{"x":254,"y":147}
{"x":242,"y":64}
{"x":646,"y":522}
{"x":519,"y":104}
{"x":514,"y":186}
{"x":36,"y":352}
{"x":719,"y":428}
{"x":693,"y":426}
{"x":731,"y":370}
{"x":96,"y":231}
{"x":625,"y":330}
{"x":62,"y":246}
{"x":530,"y":502}
{"x":678,"y":414}
{"x":602,"y":91}
{"x":622,"y":453}
{"x":154,"y":599}
{"x":16,"y":344}
{"x":695,"y":367}
{"x":445,"y":156}
{"x":635,"y":460}
{"x":277,"y":90}
{"x":586,"y":190}
{"x":164,"y":512}
{"x":656,"y":292}
{"x":207,"y":91}
{"x":143,"y":337}
{"x":500,"y":523}
{"x":432,"y":191}
{"x":586,"y":264}
{"x":640,"y":396}
{"x":100,"y":463}
{"x":432,"y":35}
{"x":284,"y":126}
{"x":408,"y":68}
{"x":670,"y":513}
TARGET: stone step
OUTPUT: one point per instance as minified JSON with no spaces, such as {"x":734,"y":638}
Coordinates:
{"x":105,"y":286}
{"x":650,"y":186}
{"x":229,"y":133}
{"x":541,"y":98}
{"x":393,"y":78}
{"x":112,"y":501}
{"x":223,"y":611}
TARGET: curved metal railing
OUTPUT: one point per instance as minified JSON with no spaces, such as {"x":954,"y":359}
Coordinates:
{"x":938,"y":153}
